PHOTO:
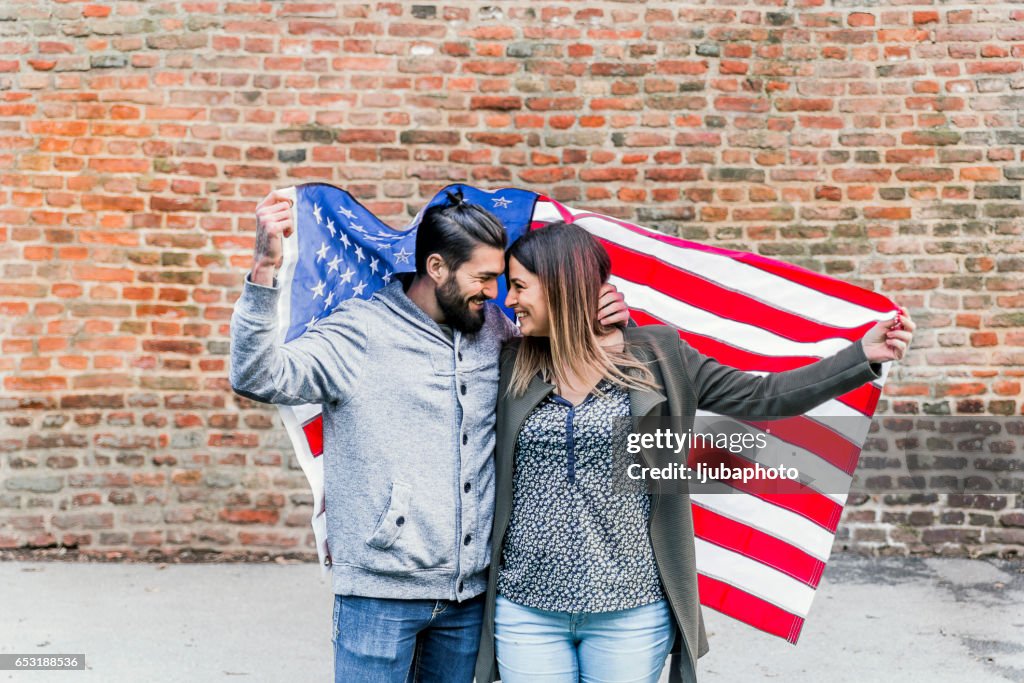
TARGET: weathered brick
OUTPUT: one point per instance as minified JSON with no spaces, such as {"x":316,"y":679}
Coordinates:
{"x":880,"y":147}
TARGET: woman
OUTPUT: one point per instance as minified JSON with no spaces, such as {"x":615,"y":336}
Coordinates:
{"x":589,"y":583}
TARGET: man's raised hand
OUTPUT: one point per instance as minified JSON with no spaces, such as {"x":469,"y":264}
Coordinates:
{"x":273,"y":222}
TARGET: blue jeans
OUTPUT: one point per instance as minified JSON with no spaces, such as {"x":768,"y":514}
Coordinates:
{"x":379,"y":640}
{"x":627,"y":646}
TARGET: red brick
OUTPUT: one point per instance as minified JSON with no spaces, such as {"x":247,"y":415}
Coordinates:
{"x":984,"y":339}
{"x":250,"y":516}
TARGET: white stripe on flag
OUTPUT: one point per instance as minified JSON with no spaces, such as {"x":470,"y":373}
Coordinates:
{"x":853,"y":426}
{"x":754,"y":577}
{"x":813,"y":470}
{"x":727,"y":272}
{"x":754,"y":512}
{"x":306,"y":412}
{"x":740,"y":335}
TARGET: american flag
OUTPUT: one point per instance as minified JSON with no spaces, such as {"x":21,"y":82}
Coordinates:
{"x":760,"y":555}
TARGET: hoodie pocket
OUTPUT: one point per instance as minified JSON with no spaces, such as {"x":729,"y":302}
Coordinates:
{"x":393,"y":519}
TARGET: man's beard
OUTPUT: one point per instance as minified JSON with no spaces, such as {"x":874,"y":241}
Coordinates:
{"x":456,"y":307}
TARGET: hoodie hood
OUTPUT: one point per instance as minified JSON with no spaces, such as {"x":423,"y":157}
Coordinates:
{"x":394,"y":297}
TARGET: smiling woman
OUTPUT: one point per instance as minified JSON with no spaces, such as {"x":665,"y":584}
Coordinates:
{"x":564,"y":337}
{"x":526,"y":299}
{"x":587,"y":580}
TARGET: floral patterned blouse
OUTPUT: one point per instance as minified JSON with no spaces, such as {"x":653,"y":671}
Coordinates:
{"x":575,"y":542}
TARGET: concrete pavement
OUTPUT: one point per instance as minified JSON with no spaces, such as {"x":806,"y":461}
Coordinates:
{"x":894,"y":619}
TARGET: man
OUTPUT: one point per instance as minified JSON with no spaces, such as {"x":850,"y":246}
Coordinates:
{"x":408,"y":382}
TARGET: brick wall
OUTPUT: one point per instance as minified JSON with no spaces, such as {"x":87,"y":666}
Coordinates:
{"x":882,"y":144}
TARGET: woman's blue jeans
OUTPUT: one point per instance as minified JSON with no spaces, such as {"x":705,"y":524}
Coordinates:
{"x":627,"y":646}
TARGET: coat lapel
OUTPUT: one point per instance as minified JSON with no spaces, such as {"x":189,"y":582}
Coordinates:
{"x":511,"y":415}
{"x":642,"y":401}
{"x":521,"y":407}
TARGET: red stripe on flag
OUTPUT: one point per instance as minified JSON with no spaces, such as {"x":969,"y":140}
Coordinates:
{"x":748,"y":608}
{"x":314,"y":430}
{"x":720,"y":301}
{"x":757,"y":545}
{"x":814,"y":281}
{"x":814,"y":437}
{"x":784,"y":493}
{"x":862,"y":399}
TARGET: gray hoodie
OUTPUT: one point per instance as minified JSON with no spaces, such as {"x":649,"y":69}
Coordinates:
{"x":408,"y":416}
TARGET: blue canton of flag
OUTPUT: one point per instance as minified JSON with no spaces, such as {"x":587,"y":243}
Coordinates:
{"x":345,"y":251}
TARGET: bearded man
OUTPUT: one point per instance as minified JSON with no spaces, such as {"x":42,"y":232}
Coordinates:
{"x":408,"y":381}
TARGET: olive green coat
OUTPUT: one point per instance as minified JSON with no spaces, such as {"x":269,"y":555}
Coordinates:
{"x":689,"y":381}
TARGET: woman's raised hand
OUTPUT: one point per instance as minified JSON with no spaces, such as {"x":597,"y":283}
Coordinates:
{"x":889,"y":339}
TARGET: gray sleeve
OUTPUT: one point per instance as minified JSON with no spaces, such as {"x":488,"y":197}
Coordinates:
{"x":321,"y":366}
{"x":509,"y":330}
{"x":728,"y":391}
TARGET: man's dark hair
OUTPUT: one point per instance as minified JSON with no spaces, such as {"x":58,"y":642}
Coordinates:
{"x":453,"y":230}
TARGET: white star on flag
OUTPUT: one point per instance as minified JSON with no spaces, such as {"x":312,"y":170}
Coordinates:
{"x":357,"y":227}
{"x":330,"y":227}
{"x":500,"y":202}
{"x":318,"y":290}
{"x":373,"y":264}
{"x":402,"y":256}
{"x":316,"y":212}
{"x":358,"y":289}
{"x":346,"y":213}
{"x":312,"y":321}
{"x":332,"y":265}
{"x":387,"y":277}
{"x":328,"y":300}
{"x":344,"y":240}
{"x":347,"y":275}
{"x":322,"y":252}
{"x":359,"y":254}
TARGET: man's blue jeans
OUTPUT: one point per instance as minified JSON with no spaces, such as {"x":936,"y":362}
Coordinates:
{"x":379,"y":640}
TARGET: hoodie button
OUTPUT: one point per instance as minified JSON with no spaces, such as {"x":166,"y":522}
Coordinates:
{"x":400,"y":521}
{"x":460,"y":355}
{"x":465,"y":439}
{"x":463,"y":389}
{"x":461,"y":586}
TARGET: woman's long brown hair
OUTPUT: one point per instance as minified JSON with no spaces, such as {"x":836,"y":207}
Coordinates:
{"x":571,"y":266}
